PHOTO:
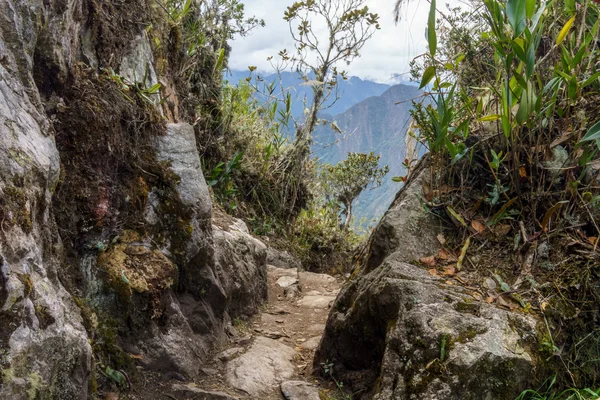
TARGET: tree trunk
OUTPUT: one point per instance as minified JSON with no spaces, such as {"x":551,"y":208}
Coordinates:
{"x":348,"y":216}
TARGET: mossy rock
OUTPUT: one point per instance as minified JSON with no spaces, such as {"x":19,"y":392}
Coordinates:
{"x":132,"y":266}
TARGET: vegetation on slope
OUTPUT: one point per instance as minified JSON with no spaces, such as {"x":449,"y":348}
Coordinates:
{"x":514,"y":137}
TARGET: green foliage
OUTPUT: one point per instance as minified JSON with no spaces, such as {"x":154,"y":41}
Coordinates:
{"x":346,"y":180}
{"x":549,"y":392}
{"x":512,"y":123}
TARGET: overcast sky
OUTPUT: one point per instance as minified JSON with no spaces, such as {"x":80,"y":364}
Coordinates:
{"x":386,"y":54}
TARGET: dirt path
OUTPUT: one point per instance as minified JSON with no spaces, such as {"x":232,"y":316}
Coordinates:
{"x":274,"y":347}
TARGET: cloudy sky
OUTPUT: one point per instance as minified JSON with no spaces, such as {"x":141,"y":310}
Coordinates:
{"x":386,"y":54}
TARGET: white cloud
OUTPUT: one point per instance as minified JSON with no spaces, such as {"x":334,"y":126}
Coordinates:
{"x":387,"y":53}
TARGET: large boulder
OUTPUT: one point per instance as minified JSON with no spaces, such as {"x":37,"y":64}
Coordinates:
{"x":44,"y":351}
{"x":407,"y":228}
{"x":223,"y":271}
{"x":396,"y":332}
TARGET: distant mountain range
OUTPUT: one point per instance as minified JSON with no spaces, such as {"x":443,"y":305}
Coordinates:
{"x":372,"y":116}
{"x":351,"y":91}
{"x":377,"y":124}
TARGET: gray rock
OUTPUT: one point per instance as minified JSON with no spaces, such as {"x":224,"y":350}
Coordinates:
{"x":282,"y":259}
{"x":138,"y":63}
{"x":406,"y":228}
{"x":299,"y":390}
{"x":224,"y":275}
{"x":178,"y":147}
{"x":312,"y":343}
{"x":388,"y":325}
{"x":44,"y":351}
{"x":321,"y":283}
{"x":192,"y":392}
{"x":229,"y":354}
{"x":266,"y":363}
{"x":287,"y":281}
{"x":231,"y":284}
{"x":316,"y":301}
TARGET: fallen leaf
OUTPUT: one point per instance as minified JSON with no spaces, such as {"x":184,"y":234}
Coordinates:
{"x":593,"y":240}
{"x":549,"y":214}
{"x":463,"y":254}
{"x":136,"y":356}
{"x":522,"y":172}
{"x":503,"y":303}
{"x":476,"y":296}
{"x":500,"y":214}
{"x":441,"y":239}
{"x":564,"y":137}
{"x":433,"y":272}
{"x":477,"y":226}
{"x":449,"y":283}
{"x":450,"y":270}
{"x":502,"y":230}
{"x":544,"y":305}
{"x":490,"y":299}
{"x":456,"y":217}
{"x":443,"y":254}
{"x":429,"y":261}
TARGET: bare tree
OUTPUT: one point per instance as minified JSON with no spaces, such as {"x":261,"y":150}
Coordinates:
{"x":348,"y":25}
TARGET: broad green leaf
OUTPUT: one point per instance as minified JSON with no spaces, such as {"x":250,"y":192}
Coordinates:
{"x":570,"y":7}
{"x":590,"y":80}
{"x":428,"y":75}
{"x":517,"y":46}
{"x":431,"y":34}
{"x":573,"y":86}
{"x":593,"y":133}
{"x":506,"y":126}
{"x":565,"y":31}
{"x":530,"y":8}
{"x":524,"y":107}
{"x":516,"y":11}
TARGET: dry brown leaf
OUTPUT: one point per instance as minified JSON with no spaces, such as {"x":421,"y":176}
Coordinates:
{"x":433,"y":272}
{"x":449,"y":283}
{"x":477,"y":226}
{"x":523,"y":172}
{"x":427,"y":192}
{"x":429,"y":261}
{"x":443,"y":254}
{"x":450,"y":270}
{"x":476,"y":296}
{"x":564,"y":137}
{"x":441,"y":239}
{"x":502,"y":230}
{"x":136,"y":356}
{"x":490,"y":299}
{"x":544,"y":305}
{"x":593,"y":240}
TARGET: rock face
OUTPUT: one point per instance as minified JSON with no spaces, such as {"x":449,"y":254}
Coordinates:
{"x":141,"y":259}
{"x":395,"y":332}
{"x":43,"y":345}
{"x":406,"y":228}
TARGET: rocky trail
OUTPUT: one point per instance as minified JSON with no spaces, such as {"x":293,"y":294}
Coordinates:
{"x":271,"y":355}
